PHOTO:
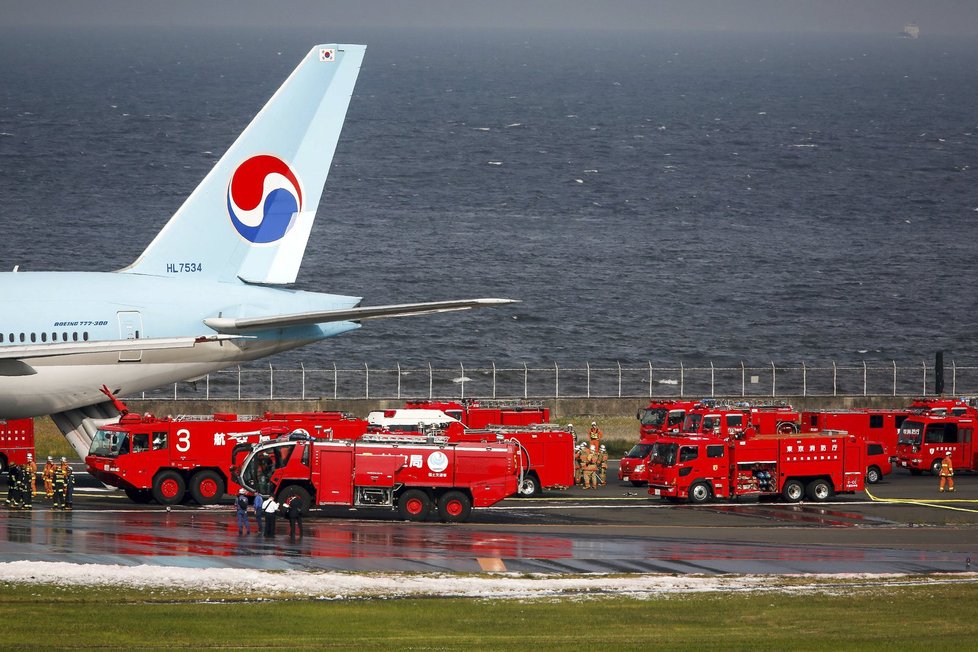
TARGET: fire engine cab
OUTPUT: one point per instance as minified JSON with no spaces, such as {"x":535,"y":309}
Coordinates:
{"x":416,"y":475}
{"x":924,"y":439}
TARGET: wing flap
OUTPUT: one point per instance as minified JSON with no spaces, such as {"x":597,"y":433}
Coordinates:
{"x":237,"y":325}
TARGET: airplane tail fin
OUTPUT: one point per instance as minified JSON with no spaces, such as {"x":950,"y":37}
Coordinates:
{"x":251,"y":216}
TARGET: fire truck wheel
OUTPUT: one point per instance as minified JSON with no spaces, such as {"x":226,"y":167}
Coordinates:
{"x":699,"y":493}
{"x":454,"y":507}
{"x":300,"y":493}
{"x":168,"y":488}
{"x":935,"y":467}
{"x":793,"y":491}
{"x":3,"y":464}
{"x":873,"y":475}
{"x":140,"y":496}
{"x":414,"y":505}
{"x":206,"y":487}
{"x":819,"y":490}
{"x":530,"y":486}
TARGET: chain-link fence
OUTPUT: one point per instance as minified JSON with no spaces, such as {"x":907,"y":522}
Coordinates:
{"x":620,"y":380}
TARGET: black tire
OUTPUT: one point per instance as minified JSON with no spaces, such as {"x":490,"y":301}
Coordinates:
{"x":414,"y":505}
{"x":873,"y":475}
{"x":819,"y":490}
{"x":300,"y":493}
{"x":530,"y":486}
{"x":4,"y":467}
{"x":169,"y":488}
{"x":139,"y":496}
{"x":454,"y":507}
{"x":935,"y":467}
{"x":638,"y":483}
{"x":207,"y":487}
{"x":793,"y":491}
{"x":700,"y":493}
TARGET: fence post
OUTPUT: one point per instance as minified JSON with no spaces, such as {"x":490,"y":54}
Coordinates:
{"x":650,"y":379}
{"x":588,"y":379}
{"x":556,"y":380}
{"x":894,"y":377}
{"x":835,"y":379}
{"x":774,"y":380}
{"x":462,"y":379}
{"x":954,"y":378}
{"x":398,"y":380}
{"x":619,"y":378}
{"x":431,"y":383}
{"x":743,"y":380}
{"x":239,"y":382}
{"x":207,"y":387}
{"x":174,"y":391}
{"x":682,"y":380}
{"x":302,"y":367}
{"x":493,"y":379}
{"x":366,"y":380}
{"x":864,"y":378}
{"x":271,"y":382}
{"x":924,"y":366}
{"x":526,"y":380}
{"x":804,"y":379}
{"x":713,"y":377}
{"x":336,"y":381}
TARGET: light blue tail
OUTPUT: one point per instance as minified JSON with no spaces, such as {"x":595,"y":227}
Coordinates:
{"x":251,"y":216}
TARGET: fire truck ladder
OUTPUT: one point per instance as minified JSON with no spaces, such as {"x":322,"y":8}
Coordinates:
{"x":405,"y":439}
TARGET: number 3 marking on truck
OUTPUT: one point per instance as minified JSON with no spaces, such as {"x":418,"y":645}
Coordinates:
{"x":183,"y":440}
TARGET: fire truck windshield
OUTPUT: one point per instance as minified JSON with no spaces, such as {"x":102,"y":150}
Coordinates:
{"x":910,"y":432}
{"x":654,"y":417}
{"x":664,"y":454}
{"x":692,"y":422}
{"x":109,"y":443}
{"x":639,"y":451}
{"x":261,"y":464}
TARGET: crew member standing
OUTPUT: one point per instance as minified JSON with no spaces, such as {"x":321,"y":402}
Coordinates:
{"x":294,"y":506}
{"x":241,"y":512}
{"x":32,"y":469}
{"x":48,"y":476}
{"x":270,"y":507}
{"x":579,"y":464}
{"x":58,"y":485}
{"x":69,"y":477}
{"x":25,"y":486}
{"x":590,"y":468}
{"x":603,"y":466}
{"x":595,"y":435}
{"x":947,"y":472}
{"x":259,"y":514}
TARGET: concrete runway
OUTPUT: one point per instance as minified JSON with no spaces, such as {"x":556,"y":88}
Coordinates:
{"x":615,"y":529}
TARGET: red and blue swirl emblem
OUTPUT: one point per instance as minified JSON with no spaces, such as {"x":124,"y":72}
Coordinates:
{"x":263,"y":197}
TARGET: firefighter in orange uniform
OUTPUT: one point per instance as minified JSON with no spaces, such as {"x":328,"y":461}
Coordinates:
{"x":32,"y":471}
{"x":603,"y":466}
{"x":579,"y":464}
{"x":595,"y":435}
{"x":590,"y":468}
{"x":947,"y":473}
{"x":49,"y":478}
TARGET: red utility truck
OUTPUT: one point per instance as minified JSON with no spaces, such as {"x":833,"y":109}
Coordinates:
{"x":547,"y":451}
{"x":875,"y":425}
{"x":162,"y":459}
{"x":697,"y":468}
{"x":414,"y":474}
{"x":925,"y":438}
{"x":482,"y":414}
{"x":661,"y":417}
{"x":16,"y":441}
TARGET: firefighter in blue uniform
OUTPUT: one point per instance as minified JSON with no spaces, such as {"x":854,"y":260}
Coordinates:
{"x":58,"y":484}
{"x":69,"y":477}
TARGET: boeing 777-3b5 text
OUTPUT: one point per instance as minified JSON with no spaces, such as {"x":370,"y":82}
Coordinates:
{"x":199,"y":298}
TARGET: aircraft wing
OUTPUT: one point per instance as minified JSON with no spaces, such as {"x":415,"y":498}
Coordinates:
{"x":236,"y":325}
{"x":28,"y":351}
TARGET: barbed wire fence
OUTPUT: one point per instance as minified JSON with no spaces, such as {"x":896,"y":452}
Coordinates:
{"x":588,"y":381}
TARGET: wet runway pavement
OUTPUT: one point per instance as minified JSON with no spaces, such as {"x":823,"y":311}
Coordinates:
{"x":616,"y":529}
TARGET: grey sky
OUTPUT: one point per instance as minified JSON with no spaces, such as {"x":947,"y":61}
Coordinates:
{"x":881,"y":16}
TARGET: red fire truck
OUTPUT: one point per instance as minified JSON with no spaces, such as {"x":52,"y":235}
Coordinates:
{"x":697,"y":468}
{"x":16,"y":441}
{"x":662,"y":416}
{"x":162,"y":459}
{"x":547,"y":450}
{"x":925,"y":438}
{"x":875,"y":425}
{"x":482,"y":414}
{"x":413,"y":474}
{"x":707,"y":418}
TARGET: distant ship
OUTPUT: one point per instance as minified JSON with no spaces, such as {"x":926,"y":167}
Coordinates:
{"x":910,"y":30}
